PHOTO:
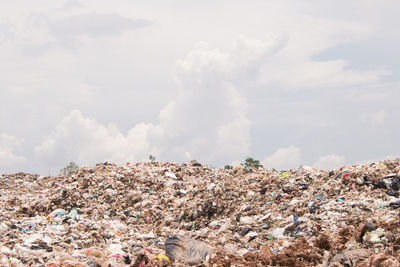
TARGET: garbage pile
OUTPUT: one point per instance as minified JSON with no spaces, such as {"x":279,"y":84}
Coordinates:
{"x":165,"y":214}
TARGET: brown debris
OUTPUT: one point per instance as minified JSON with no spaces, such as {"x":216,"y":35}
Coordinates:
{"x":383,"y":260}
{"x":109,"y":215}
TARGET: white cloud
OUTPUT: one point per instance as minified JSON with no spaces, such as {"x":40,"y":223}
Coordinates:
{"x":38,"y":34}
{"x":330,"y":162}
{"x":228,"y":101}
{"x":207,"y":120}
{"x":9,"y":140}
{"x":7,"y":157}
{"x":7,"y":144}
{"x":283,"y":158}
{"x":295,"y":68}
{"x":76,"y":138}
{"x":378,"y":117}
{"x":93,"y":25}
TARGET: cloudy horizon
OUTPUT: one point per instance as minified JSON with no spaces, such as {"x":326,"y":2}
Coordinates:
{"x":289,"y":84}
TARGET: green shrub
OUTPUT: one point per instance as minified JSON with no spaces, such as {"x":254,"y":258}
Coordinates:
{"x":252,"y":163}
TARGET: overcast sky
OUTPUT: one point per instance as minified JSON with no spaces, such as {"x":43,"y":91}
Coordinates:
{"x":287,"y":82}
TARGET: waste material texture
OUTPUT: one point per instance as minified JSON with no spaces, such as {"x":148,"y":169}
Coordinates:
{"x":166,"y":214}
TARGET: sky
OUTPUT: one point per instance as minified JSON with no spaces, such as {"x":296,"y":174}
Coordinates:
{"x":289,"y":83}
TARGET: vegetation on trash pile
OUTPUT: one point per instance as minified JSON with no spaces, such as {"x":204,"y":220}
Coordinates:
{"x":152,"y":158}
{"x":252,"y":163}
{"x":71,"y":168}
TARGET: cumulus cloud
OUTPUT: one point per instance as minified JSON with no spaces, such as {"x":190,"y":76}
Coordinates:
{"x":330,"y":162}
{"x":283,"y":158}
{"x":83,"y":140}
{"x":378,"y":117}
{"x":228,"y":101}
{"x":206,"y":121}
{"x":69,"y":27}
{"x":296,"y":68}
{"x":7,"y":144}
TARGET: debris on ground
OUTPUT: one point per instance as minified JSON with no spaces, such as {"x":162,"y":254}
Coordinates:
{"x":165,"y":214}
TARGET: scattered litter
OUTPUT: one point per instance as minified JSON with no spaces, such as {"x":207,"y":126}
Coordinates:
{"x":162,"y":214}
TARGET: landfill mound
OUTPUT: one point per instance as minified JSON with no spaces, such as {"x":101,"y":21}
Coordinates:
{"x":165,"y":214}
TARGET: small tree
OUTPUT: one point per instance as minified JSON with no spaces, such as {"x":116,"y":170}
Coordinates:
{"x":252,"y":163}
{"x":71,"y":168}
{"x":228,"y":167}
{"x":152,"y":158}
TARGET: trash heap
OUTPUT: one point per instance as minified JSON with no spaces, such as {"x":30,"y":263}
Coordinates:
{"x":165,"y":214}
